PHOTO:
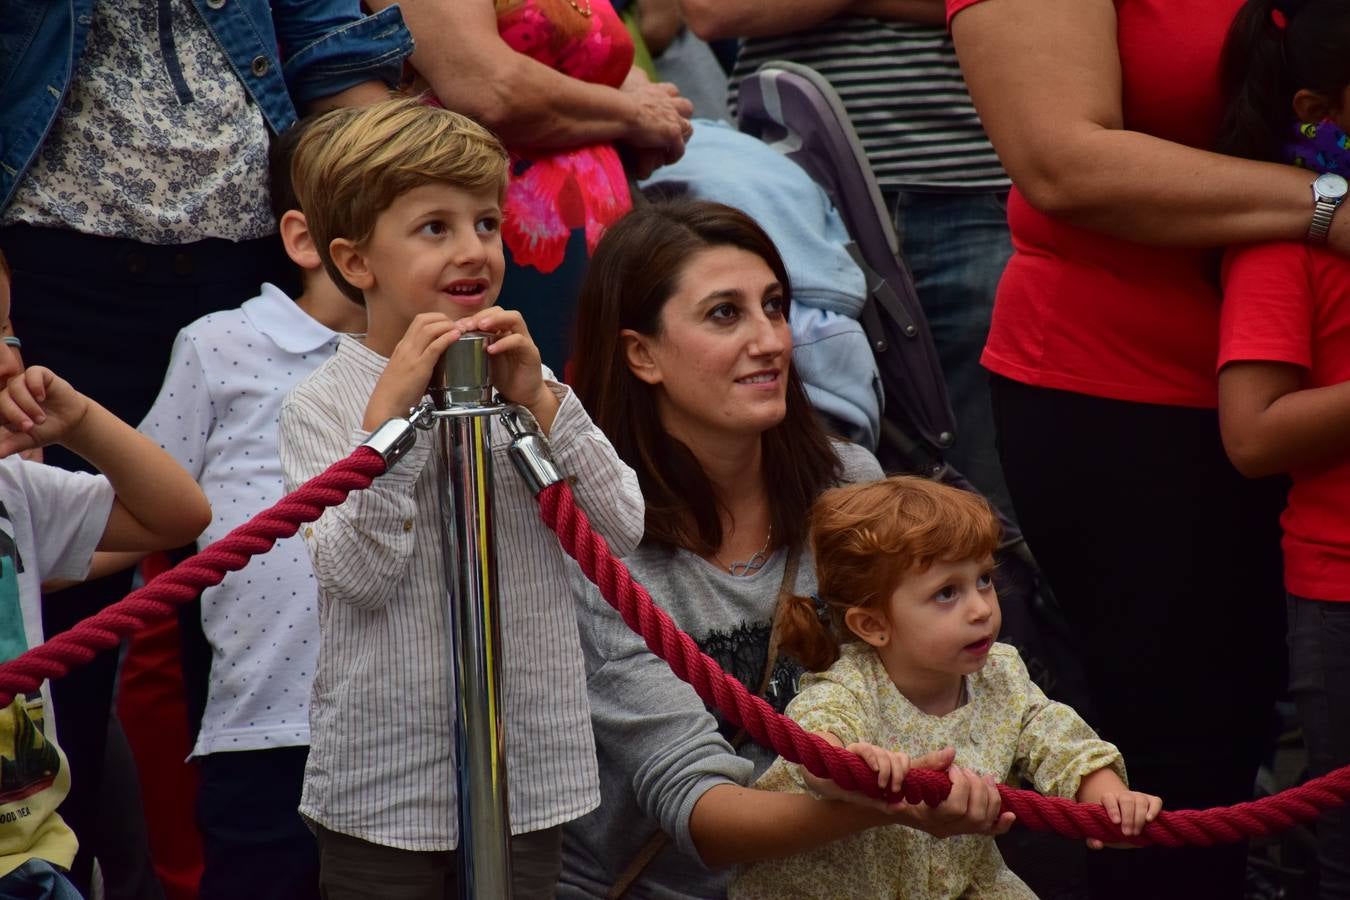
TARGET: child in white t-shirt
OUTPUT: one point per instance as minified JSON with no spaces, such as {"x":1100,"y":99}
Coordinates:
{"x":51,"y":522}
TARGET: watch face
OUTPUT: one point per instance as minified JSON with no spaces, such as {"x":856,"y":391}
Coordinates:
{"x":1330,"y":187}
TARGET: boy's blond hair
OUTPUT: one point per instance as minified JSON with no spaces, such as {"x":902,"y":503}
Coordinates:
{"x":353,"y":162}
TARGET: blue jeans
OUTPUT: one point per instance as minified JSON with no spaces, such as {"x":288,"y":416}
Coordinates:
{"x":37,"y":879}
{"x":1319,"y":683}
{"x":955,"y":246}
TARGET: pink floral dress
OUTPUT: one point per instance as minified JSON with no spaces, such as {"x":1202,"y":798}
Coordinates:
{"x":551,"y":195}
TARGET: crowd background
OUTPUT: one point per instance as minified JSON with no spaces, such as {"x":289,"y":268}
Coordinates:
{"x":1052,"y":172}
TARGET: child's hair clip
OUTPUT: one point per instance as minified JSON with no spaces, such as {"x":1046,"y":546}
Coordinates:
{"x":822,"y":609}
{"x":12,"y":341}
{"x":1278,"y":17}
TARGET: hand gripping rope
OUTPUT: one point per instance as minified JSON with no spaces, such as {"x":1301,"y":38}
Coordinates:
{"x":1175,"y":828}
{"x":561,"y":513}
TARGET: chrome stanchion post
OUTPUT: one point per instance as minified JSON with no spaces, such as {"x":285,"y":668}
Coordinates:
{"x":461,"y":393}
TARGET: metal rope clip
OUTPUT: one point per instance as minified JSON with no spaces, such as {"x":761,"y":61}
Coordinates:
{"x":529,"y":450}
{"x":420,"y":416}
{"x":396,"y":437}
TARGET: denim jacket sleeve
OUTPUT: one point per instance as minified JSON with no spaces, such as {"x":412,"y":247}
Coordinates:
{"x":289,"y":53}
{"x":328,"y":46}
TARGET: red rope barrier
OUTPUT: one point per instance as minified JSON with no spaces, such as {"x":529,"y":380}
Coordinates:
{"x":157,"y":598}
{"x":1172,"y":828}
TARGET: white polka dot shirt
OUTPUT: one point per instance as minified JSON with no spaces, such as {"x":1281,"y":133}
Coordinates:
{"x":217,"y":415}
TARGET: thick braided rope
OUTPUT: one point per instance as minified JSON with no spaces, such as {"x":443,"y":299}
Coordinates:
{"x":1190,"y":827}
{"x":158,"y":598}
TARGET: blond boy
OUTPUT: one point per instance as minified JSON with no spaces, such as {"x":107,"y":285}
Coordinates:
{"x":404,"y":202}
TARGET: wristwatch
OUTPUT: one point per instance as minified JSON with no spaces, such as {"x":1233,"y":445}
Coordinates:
{"x":1328,"y":192}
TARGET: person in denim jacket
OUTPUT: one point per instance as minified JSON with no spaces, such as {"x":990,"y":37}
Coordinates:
{"x":134,"y":200}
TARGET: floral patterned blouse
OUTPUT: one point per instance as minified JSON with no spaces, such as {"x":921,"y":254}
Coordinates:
{"x":550,"y":195}
{"x":1007,"y":727}
{"x":157,"y":140}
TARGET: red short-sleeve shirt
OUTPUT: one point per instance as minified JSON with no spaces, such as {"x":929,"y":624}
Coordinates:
{"x":1080,"y":311}
{"x":1290,"y":303}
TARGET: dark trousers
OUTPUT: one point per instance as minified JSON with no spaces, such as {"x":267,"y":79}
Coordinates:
{"x":353,"y":869}
{"x":1167,"y":564}
{"x":1319,"y":682}
{"x":247,"y":810}
{"x":102,"y":313}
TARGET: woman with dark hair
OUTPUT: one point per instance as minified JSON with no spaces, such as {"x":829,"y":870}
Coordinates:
{"x":684,"y":361}
{"x":1103,"y":347}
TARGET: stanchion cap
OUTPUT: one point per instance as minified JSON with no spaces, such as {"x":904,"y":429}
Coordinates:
{"x":462,"y":374}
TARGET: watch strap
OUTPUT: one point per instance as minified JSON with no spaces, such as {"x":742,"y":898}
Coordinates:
{"x":1320,"y":228}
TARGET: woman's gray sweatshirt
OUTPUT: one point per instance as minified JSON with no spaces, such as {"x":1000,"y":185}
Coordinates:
{"x":659,"y":748}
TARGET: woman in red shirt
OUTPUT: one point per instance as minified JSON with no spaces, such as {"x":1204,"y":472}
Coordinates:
{"x":1102,"y":349}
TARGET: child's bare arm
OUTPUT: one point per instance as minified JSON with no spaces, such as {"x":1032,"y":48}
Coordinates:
{"x":1131,"y":810}
{"x":105,"y":563}
{"x":158,"y":505}
{"x":1271,"y":424}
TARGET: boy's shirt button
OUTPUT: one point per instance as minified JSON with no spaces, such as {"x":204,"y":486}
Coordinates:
{"x":309,"y":533}
{"x":407,"y":525}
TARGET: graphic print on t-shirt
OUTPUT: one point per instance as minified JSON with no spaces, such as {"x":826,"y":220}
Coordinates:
{"x":742,"y":653}
{"x":28,"y":763}
{"x":13,"y":638}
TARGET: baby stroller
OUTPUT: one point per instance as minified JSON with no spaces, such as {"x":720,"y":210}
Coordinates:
{"x":793,"y":109}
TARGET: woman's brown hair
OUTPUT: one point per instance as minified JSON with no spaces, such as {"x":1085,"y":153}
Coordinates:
{"x":635,"y":270}
{"x":865,"y":537}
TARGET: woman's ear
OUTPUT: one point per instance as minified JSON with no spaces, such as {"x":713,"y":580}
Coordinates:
{"x":297,"y":240}
{"x":1312,"y":107}
{"x":869,"y":625}
{"x":352,"y":263}
{"x":637,"y":353}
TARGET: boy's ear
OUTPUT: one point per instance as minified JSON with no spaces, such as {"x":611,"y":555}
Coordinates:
{"x":1312,"y":107}
{"x":352,"y":263}
{"x":869,"y":625}
{"x":297,"y":240}
{"x":639,"y":356}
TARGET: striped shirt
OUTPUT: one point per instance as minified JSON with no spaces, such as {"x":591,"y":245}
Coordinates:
{"x":381,"y":764}
{"x":904,"y":94}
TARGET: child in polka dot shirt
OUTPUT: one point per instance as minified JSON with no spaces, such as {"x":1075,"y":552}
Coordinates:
{"x":217,"y":415}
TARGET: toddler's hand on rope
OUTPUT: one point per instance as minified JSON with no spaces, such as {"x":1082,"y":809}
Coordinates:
{"x":891,"y":767}
{"x":1131,"y":810}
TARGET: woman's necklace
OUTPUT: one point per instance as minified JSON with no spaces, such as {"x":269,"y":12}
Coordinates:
{"x":584,"y":10}
{"x":751,"y":565}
